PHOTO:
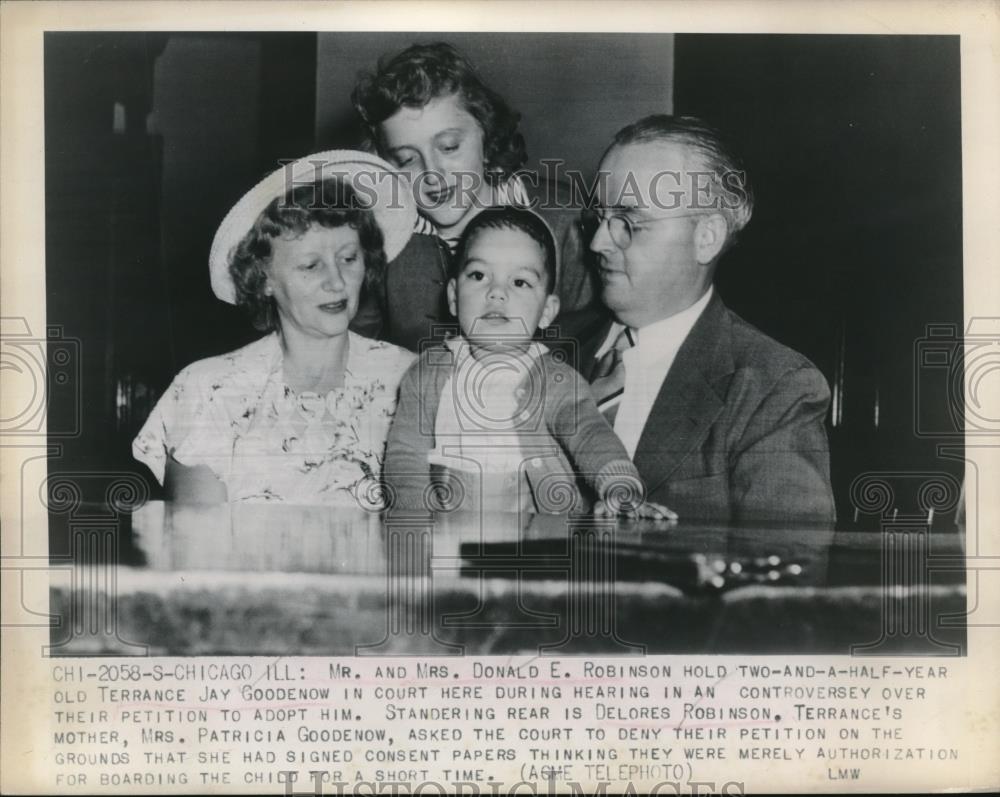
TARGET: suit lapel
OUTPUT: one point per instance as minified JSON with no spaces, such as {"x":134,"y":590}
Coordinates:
{"x":578,"y":336}
{"x":589,"y":347}
{"x":688,"y":402}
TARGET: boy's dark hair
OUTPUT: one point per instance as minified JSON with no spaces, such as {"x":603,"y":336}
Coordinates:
{"x":424,"y":72}
{"x":328,"y":203}
{"x":510,"y":218}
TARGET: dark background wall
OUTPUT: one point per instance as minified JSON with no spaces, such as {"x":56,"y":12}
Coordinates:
{"x":572,"y":91}
{"x":853,"y":143}
{"x":854,"y":146}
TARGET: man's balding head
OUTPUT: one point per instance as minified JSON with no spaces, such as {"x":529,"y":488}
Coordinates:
{"x":723,"y":183}
{"x":672,"y":199}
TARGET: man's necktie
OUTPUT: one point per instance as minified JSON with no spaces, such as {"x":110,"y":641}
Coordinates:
{"x":608,"y":383}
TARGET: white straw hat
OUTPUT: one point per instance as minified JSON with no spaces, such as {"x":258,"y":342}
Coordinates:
{"x":379,"y":187}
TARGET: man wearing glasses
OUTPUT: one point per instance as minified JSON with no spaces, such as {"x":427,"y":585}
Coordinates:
{"x":723,"y":422}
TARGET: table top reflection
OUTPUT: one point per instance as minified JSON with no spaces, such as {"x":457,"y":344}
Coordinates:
{"x":308,"y":580}
{"x":349,"y":541}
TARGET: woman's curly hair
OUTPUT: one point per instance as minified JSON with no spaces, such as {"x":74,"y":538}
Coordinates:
{"x":328,"y":203}
{"x":423,"y":72}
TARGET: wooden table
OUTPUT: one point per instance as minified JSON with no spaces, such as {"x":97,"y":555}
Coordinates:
{"x":271,"y":579}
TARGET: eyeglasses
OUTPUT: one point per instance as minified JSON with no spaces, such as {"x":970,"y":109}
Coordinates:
{"x":621,"y":229}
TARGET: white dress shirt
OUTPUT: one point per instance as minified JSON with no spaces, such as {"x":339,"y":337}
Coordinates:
{"x":646,"y":366}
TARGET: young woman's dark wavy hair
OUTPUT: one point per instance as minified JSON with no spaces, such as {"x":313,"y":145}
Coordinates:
{"x":423,"y":72}
{"x":328,"y":203}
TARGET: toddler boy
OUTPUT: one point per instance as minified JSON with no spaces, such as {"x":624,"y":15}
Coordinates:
{"x":491,"y":419}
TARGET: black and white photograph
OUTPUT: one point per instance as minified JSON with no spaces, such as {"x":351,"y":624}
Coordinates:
{"x":498,"y":357}
{"x":801,"y":200}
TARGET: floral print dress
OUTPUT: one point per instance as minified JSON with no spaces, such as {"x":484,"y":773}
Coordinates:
{"x":235,"y":415}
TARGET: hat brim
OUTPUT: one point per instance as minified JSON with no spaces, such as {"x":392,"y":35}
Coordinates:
{"x":379,"y":187}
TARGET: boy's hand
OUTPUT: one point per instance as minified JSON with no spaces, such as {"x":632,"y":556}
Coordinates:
{"x":647,"y":510}
{"x":625,"y":497}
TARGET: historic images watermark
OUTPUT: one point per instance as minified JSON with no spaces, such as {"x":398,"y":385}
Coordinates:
{"x":555,"y":188}
{"x":678,"y":783}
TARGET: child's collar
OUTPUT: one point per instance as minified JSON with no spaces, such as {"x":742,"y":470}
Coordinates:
{"x":460,"y":347}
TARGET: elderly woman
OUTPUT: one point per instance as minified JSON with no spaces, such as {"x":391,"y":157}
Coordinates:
{"x":300,"y":415}
{"x":427,"y":111}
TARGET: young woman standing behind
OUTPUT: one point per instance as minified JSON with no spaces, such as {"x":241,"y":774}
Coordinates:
{"x":428,"y":112}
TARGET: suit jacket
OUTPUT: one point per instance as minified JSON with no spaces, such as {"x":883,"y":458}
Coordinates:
{"x":410,"y":305}
{"x":737,"y":431}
